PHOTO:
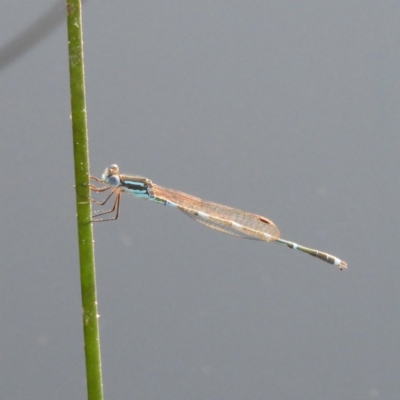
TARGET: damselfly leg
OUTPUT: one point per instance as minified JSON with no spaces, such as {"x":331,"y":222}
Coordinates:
{"x":115,"y":207}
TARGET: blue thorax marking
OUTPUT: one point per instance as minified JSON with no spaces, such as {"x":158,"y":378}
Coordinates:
{"x":139,"y":188}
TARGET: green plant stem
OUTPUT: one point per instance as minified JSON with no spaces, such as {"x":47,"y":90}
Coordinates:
{"x":83,"y":204}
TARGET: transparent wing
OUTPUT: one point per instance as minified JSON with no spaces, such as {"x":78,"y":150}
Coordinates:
{"x":217,"y":216}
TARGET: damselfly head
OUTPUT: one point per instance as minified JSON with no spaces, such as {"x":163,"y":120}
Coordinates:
{"x":110,"y":171}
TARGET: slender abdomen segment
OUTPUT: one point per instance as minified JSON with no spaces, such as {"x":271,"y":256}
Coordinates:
{"x":315,"y":253}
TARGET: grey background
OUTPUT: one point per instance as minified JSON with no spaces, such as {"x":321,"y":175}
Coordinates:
{"x":286,"y":109}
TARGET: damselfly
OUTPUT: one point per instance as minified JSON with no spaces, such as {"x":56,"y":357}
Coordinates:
{"x":216,"y":216}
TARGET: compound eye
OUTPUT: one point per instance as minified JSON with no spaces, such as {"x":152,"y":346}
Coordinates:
{"x":114,"y":180}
